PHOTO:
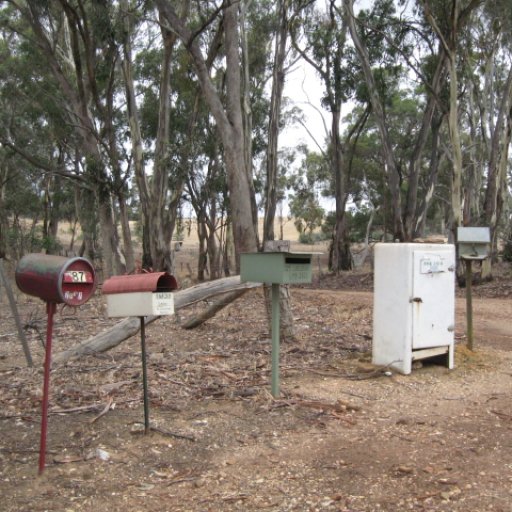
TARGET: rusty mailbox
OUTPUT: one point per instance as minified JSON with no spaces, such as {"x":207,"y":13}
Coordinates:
{"x":56,"y":279}
{"x":141,"y":295}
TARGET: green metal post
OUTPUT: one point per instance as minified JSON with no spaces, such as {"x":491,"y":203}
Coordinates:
{"x":144,"y":374}
{"x":275,"y":340}
{"x":469,"y":304}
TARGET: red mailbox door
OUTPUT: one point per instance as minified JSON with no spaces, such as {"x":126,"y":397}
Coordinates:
{"x":56,"y":279}
{"x":77,"y":283}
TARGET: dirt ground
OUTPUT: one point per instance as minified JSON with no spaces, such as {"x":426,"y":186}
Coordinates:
{"x":343,"y":436}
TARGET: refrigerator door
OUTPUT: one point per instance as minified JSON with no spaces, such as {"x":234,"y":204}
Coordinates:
{"x":433,"y":300}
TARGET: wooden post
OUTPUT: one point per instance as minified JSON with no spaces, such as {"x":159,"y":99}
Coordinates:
{"x":469,"y":304}
{"x":14,"y":309}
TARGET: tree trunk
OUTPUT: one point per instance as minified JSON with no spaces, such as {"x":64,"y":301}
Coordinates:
{"x":128,"y":327}
{"x":247,"y":115}
{"x":4,"y":222}
{"x":453,"y":124}
{"x":410,"y":209}
{"x":499,"y":148}
{"x":390,"y":166}
{"x":214,"y":306}
{"x":136,"y":139}
{"x":278,"y":77}
{"x":431,"y":182}
{"x":202,"y":258}
{"x":124,"y":221}
{"x":228,"y":119}
{"x":341,"y":256}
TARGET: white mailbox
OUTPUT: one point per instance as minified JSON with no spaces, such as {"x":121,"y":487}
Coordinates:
{"x":140,"y":294}
{"x":414,"y":304}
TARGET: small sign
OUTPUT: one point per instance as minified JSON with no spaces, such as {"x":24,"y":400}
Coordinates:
{"x":298,"y":273}
{"x":163,"y":303}
{"x":432,"y":264}
{"x":78,"y":276}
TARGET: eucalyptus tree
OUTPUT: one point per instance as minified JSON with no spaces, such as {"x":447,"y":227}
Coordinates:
{"x":475,"y":36}
{"x":206,"y":186}
{"x":34,"y":133}
{"x":279,"y":69}
{"x":225,"y":106}
{"x":495,"y":104}
{"x":307,"y":186}
{"x":448,"y":20}
{"x":75,"y":39}
{"x":381,"y":25}
{"x":160,"y":126}
{"x":320,"y":37}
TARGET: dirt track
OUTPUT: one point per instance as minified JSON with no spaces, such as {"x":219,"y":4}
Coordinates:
{"x":343,"y":436}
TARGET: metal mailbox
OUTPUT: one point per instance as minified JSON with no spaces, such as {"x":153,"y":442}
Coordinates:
{"x":140,"y":294}
{"x":276,"y":267}
{"x":474,"y":243}
{"x":56,"y":279}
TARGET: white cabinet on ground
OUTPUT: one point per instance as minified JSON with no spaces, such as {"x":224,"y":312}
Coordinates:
{"x":414,"y":304}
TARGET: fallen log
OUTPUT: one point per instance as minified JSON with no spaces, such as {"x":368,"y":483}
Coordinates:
{"x":231,"y":287}
{"x":216,"y":305}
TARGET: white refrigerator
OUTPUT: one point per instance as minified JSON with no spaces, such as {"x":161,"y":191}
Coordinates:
{"x":414,"y":304}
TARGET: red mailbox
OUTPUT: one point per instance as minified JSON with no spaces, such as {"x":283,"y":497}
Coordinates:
{"x":56,"y":279}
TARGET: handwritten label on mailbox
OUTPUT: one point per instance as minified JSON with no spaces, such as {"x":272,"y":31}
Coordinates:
{"x":163,"y":303}
{"x":432,"y":264}
{"x":78,"y":276}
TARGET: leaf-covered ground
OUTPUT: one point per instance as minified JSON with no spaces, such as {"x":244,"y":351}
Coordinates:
{"x":342,"y":436}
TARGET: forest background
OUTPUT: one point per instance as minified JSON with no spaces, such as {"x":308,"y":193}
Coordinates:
{"x":126,"y":119}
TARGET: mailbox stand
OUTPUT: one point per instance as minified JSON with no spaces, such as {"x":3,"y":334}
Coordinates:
{"x":276,"y":268}
{"x":474,"y":244}
{"x":51,"y":307}
{"x":141,"y":295}
{"x":276,"y":322}
{"x":144,"y":374}
{"x":54,"y":279}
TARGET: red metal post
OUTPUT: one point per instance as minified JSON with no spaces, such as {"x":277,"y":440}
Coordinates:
{"x":50,"y":309}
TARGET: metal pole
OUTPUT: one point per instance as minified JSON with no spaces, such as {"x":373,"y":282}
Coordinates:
{"x":469,"y":304}
{"x":144,"y":374}
{"x":50,"y":309}
{"x":275,"y":339}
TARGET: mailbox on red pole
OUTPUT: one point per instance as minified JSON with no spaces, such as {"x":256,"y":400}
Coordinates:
{"x":55,"y":280}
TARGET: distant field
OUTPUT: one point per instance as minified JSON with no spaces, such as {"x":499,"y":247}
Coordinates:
{"x":190,"y":234}
{"x":186,"y":258}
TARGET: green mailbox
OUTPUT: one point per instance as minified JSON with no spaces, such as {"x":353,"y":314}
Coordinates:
{"x":276,"y":267}
{"x":474,"y":243}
